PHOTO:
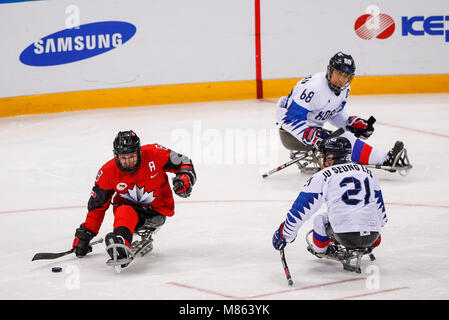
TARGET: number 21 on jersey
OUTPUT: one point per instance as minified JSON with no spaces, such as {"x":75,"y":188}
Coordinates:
{"x":348,"y":196}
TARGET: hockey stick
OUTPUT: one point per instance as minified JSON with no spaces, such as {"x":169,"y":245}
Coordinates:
{"x":289,"y":163}
{"x":403,"y":171}
{"x":286,"y":270}
{"x":49,"y":256}
{"x":371,"y":120}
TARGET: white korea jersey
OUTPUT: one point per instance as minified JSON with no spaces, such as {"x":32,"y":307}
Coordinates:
{"x":353,"y":197}
{"x":311,"y":103}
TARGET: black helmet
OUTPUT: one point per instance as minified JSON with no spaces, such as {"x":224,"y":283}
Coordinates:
{"x":341,"y":62}
{"x":127,"y":142}
{"x":339,"y":147}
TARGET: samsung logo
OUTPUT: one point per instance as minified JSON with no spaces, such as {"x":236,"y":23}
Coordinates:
{"x":77,"y":44}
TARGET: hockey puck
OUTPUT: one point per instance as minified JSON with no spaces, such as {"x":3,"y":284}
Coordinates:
{"x":56,"y":269}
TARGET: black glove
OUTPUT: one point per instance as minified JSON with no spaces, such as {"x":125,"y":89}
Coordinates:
{"x":81,"y":241}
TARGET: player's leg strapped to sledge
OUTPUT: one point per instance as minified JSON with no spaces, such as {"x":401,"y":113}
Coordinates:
{"x":343,"y":247}
{"x":130,"y":219}
{"x":118,"y":242}
{"x":362,"y":152}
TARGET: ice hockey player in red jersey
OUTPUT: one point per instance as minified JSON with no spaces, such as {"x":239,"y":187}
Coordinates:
{"x":136,"y":183}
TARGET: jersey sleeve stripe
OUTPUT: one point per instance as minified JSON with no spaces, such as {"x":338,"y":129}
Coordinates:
{"x":361,"y":152}
{"x":295,"y":112}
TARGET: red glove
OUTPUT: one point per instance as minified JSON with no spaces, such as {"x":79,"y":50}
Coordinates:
{"x":182,"y":185}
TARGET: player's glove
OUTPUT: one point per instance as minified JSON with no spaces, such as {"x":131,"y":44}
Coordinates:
{"x":279,"y":242}
{"x":81,"y":241}
{"x":182,"y":185}
{"x":313,"y":136}
{"x":359,"y":127}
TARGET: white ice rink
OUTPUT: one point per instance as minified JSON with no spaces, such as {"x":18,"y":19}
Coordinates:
{"x":218,"y":243}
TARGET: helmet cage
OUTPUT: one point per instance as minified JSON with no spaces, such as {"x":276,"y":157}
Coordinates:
{"x":340,"y":148}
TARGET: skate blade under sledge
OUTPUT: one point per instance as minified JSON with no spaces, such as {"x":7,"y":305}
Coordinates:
{"x":142,"y":247}
{"x":345,"y":259}
{"x":343,"y":255}
{"x":401,"y":164}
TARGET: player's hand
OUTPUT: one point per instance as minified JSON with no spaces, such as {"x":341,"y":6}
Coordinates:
{"x":182,"y":185}
{"x":81,"y":241}
{"x":313,"y":136}
{"x":279,"y":242}
{"x":359,"y":127}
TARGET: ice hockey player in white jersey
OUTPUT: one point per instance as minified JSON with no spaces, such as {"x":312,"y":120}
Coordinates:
{"x":322,"y":97}
{"x":355,"y":208}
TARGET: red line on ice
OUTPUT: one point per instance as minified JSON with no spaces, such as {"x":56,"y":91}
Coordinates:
{"x":43,"y":209}
{"x":204,"y":290}
{"x":412,"y":129}
{"x":372,"y":293}
{"x":227,"y":201}
{"x":265,"y":294}
{"x":305,"y":288}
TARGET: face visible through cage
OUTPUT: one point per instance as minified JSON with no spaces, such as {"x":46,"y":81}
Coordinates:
{"x":339,"y":79}
{"x":128,"y":160}
{"x":327,"y":160}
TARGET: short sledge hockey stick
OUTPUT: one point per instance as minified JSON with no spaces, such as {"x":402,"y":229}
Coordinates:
{"x":287,"y":164}
{"x":334,"y":134}
{"x":49,"y":256}
{"x":286,"y":270}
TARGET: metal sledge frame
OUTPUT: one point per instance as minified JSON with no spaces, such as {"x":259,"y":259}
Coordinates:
{"x":401,"y":158}
{"x":344,"y":255}
{"x":138,"y":248}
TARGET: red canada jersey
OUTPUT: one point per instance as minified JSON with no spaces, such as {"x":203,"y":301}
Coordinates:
{"x":147,"y":186}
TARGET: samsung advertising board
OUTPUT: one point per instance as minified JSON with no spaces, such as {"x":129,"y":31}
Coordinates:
{"x":75,"y":44}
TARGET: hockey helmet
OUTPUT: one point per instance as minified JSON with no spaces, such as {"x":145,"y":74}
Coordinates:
{"x":124,"y":143}
{"x":343,"y":63}
{"x":340,"y":148}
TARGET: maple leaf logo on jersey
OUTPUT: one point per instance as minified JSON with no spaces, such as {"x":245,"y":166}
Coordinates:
{"x":139,"y":195}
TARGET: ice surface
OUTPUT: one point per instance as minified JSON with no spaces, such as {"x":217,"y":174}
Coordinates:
{"x":218,"y":244}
